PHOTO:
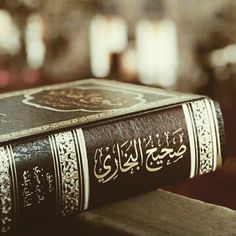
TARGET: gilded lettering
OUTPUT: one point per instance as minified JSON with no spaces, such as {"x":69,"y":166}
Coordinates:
{"x":151,"y":153}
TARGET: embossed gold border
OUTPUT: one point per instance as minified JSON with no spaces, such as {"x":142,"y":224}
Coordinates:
{"x":204,"y":138}
{"x":85,"y":169}
{"x":71,"y":171}
{"x":8,"y":189}
{"x":192,"y":139}
{"x":209,"y":156}
{"x":66,"y":171}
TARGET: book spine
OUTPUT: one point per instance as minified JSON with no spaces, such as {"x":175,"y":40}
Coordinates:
{"x":66,"y":172}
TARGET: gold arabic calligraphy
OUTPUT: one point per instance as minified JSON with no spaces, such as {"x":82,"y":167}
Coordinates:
{"x":33,"y":185}
{"x":152,"y":153}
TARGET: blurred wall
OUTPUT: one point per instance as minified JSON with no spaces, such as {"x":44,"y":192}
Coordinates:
{"x":179,"y":45}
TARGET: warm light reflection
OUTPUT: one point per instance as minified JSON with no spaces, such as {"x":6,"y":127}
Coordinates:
{"x":35,"y":48}
{"x":107,"y":35}
{"x":224,"y":56}
{"x":128,"y":63}
{"x":9,"y":34}
{"x":157,"y":52}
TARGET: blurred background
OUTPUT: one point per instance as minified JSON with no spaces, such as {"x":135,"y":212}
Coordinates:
{"x":176,"y":45}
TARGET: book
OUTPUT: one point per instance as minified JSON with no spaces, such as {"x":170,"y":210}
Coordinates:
{"x":70,"y":147}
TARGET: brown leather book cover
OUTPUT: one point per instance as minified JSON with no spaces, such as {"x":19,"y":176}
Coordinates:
{"x":70,"y":147}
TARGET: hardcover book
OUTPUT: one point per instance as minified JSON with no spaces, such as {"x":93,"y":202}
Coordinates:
{"x":69,"y":147}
